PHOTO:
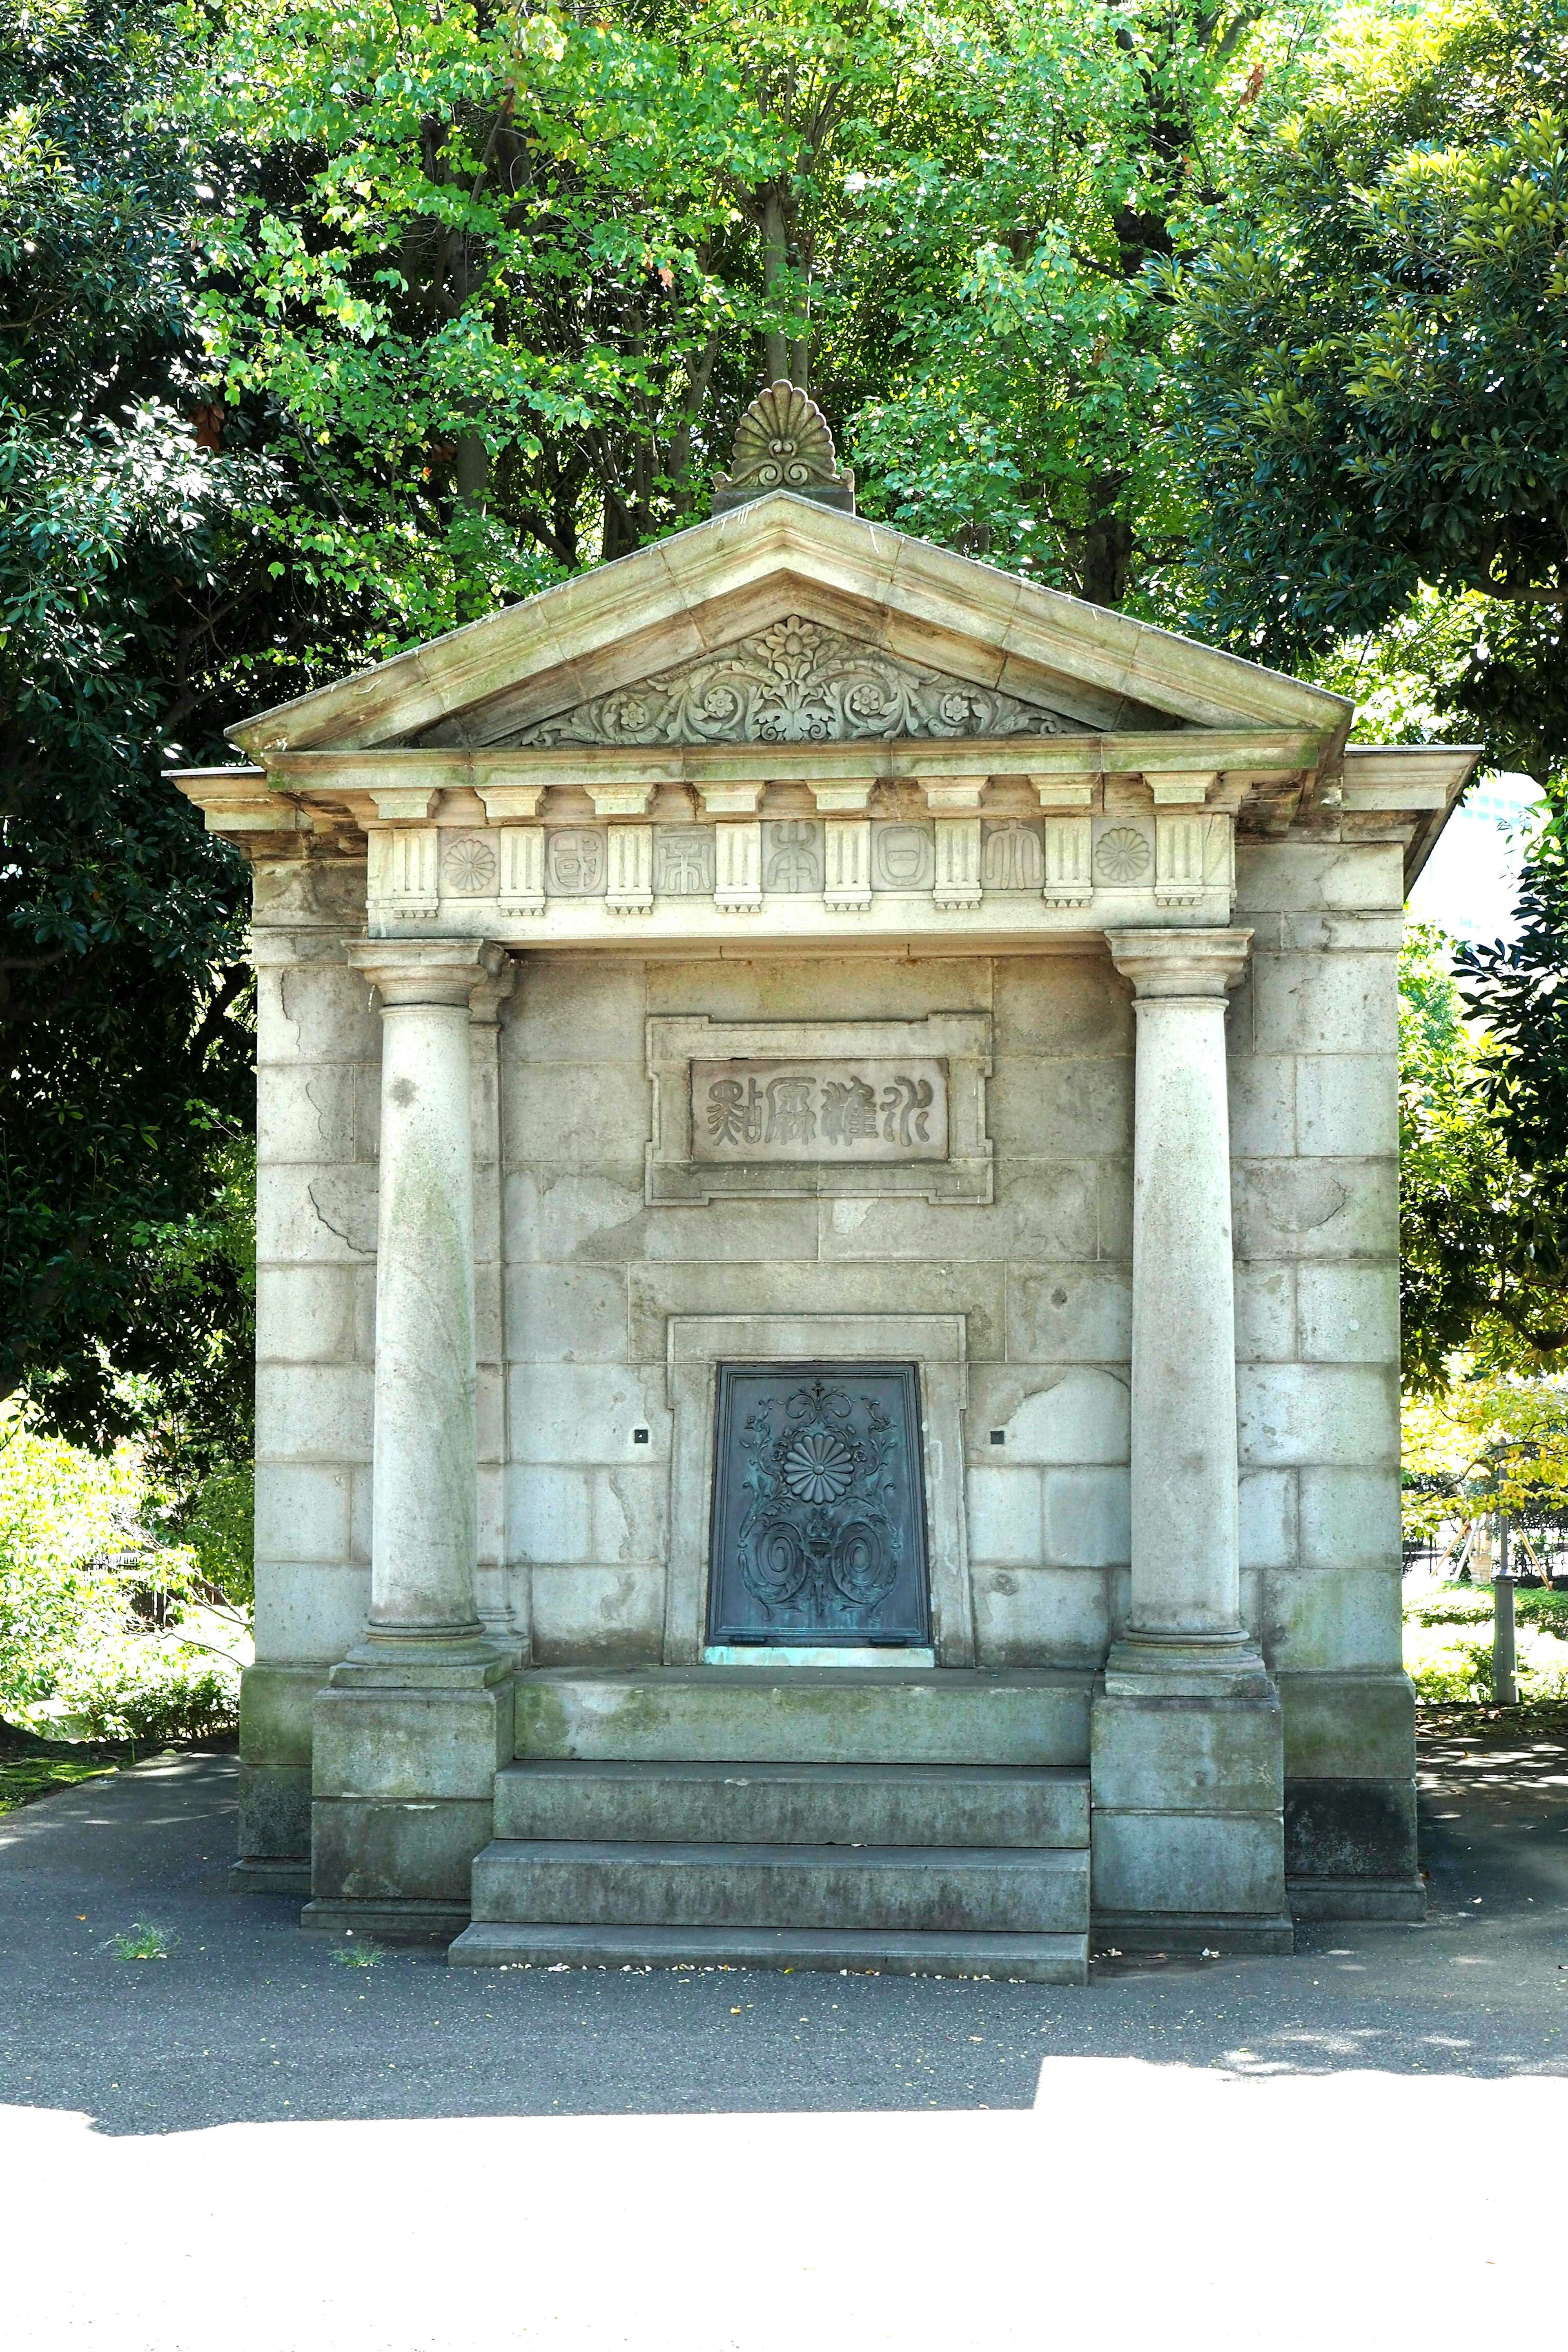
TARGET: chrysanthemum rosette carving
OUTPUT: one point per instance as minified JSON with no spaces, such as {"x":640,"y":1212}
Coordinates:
{"x":782,"y":442}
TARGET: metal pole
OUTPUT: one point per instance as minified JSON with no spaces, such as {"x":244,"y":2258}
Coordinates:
{"x":1505,"y":1676}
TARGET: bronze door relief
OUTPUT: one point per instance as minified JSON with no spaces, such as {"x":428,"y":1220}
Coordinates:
{"x":818,"y":1528}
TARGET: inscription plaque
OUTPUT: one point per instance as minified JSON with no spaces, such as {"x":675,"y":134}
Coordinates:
{"x":751,"y":1112}
{"x":818,"y":1528}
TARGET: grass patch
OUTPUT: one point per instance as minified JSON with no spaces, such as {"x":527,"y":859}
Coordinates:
{"x":143,"y":1943}
{"x":358,"y":1956}
{"x":32,"y":1767}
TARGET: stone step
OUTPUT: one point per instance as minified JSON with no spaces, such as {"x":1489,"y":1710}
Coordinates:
{"x":1061,"y":1959}
{"x":796,"y":1804}
{"x":922,"y":1890}
{"x":747,"y":1715}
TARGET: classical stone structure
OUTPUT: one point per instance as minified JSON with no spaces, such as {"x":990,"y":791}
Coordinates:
{"x":827,"y":1304}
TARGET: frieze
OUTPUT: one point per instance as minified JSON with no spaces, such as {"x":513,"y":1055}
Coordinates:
{"x":797,"y":682}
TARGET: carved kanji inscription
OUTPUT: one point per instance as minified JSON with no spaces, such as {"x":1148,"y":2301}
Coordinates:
{"x":748,"y":1112}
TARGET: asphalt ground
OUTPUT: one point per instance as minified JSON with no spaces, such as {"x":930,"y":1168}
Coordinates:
{"x":252,"y":2140}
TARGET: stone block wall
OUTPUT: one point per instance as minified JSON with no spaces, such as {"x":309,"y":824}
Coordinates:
{"x":1313,"y":1062}
{"x":317,"y":1077}
{"x":1042,"y":1278}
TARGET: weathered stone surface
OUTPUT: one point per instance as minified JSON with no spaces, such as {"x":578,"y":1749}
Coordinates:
{"x":1351,"y":1829}
{"x":796,"y":1804}
{"x":679,"y":1714}
{"x":396,"y":1853}
{"x":1075,"y":1416}
{"x":1005,"y":1518}
{"x":1309,"y":875}
{"x":309,"y":1313}
{"x":306,"y":1612}
{"x":1333,"y":1617}
{"x":1315,"y":1208}
{"x":1011,"y":1959}
{"x":274,"y":1823}
{"x":1355,"y":1726}
{"x":1061,"y":1004}
{"x":1266,"y":1500}
{"x":1263,"y":1106}
{"x":1035,"y":1616}
{"x":1061,"y":1109}
{"x":1148,"y":1756}
{"x":1084,"y":1518}
{"x":612,"y":1616}
{"x":1313,"y":1004}
{"x":1043,"y":1209}
{"x":1347,"y":1104}
{"x":1265,"y":1314}
{"x":1342,"y":1414}
{"x":1069,"y":1313}
{"x":302,"y":1511}
{"x":582,"y":1414}
{"x":1348,"y":1518}
{"x":971,"y":1890}
{"x":1349,"y":1314}
{"x":1214,"y":1863}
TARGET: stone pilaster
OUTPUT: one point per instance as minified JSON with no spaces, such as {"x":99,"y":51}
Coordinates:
{"x":416,"y":1717}
{"x":1186,"y":1743}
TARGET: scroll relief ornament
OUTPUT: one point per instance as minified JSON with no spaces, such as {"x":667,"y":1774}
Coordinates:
{"x":821,"y":1538}
{"x":797,"y":682}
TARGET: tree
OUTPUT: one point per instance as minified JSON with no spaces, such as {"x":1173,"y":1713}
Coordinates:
{"x":1484,"y":1271}
{"x":1023,"y":286}
{"x":533,"y":265}
{"x":1375,"y":366}
{"x":123,"y":987}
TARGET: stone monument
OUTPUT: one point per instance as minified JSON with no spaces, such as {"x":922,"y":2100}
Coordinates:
{"x":827,"y":1284}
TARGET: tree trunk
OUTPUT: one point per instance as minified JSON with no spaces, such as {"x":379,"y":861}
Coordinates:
{"x":1107,"y":543}
{"x":775,"y":261}
{"x":472,"y":471}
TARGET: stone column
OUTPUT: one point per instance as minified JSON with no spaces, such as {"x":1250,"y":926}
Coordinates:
{"x":416,"y":1721}
{"x":1188,"y":1763}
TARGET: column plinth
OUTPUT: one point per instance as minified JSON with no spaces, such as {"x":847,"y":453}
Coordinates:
{"x":416,"y":1720}
{"x":1186,"y":1741}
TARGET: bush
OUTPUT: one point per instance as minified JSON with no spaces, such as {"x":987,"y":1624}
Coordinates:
{"x":75,"y":1557}
{"x":60,"y":1508}
{"x":134,"y":1688}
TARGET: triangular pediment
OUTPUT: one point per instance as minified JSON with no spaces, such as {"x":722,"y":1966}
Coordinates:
{"x":785,"y":621}
{"x":797,"y":681}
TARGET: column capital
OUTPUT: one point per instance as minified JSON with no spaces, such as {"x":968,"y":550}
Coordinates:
{"x":428,"y":972}
{"x":1179,"y":962}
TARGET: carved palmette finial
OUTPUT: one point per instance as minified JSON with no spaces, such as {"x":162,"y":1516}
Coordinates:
{"x":782,"y":442}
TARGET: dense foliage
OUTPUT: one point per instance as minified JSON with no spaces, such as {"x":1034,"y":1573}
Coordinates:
{"x":106,"y":1631}
{"x":1377,"y":363}
{"x":535,"y":263}
{"x":122,"y":983}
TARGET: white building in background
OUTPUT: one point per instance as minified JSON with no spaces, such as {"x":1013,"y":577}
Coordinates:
{"x":1467,"y":884}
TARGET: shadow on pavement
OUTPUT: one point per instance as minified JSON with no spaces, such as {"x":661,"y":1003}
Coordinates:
{"x":248,"y":2020}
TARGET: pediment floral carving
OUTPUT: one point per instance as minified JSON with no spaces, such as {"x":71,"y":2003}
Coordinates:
{"x":797,"y":682}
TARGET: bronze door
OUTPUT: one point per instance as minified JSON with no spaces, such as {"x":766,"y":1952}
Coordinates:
{"x":818,"y":1506}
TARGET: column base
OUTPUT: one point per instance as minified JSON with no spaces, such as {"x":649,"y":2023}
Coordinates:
{"x":409,"y":1735}
{"x":1187,"y":1780}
